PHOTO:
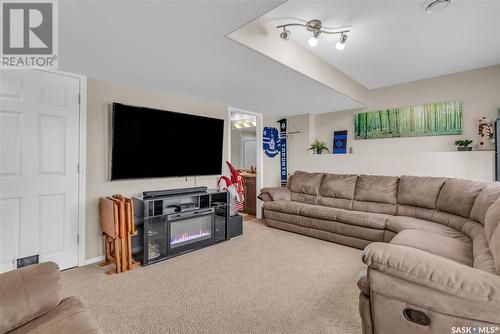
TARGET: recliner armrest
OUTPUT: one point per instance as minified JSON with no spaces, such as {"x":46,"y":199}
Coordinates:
{"x":433,"y":271}
{"x":275,"y":194}
{"x":27,"y":293}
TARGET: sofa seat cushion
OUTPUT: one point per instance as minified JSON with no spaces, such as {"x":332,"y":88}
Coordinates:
{"x":353,"y":231}
{"x":70,"y":316}
{"x":358,"y":218}
{"x":397,"y":224}
{"x":455,"y":249}
{"x":284,"y":206}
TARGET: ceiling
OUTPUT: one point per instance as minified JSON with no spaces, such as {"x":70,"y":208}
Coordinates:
{"x":180,"y":47}
{"x":393,"y":42}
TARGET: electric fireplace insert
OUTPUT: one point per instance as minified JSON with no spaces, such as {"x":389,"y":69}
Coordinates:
{"x":190,"y":230}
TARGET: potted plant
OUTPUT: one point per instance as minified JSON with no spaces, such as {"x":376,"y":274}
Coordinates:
{"x":318,"y":147}
{"x":463,"y":144}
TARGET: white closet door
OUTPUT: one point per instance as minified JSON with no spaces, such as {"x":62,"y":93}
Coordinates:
{"x":39,"y":141}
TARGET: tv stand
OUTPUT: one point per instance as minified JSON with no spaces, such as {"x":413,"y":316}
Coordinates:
{"x":176,"y":221}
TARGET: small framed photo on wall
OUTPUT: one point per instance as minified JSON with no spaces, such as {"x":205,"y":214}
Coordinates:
{"x":339,"y":142}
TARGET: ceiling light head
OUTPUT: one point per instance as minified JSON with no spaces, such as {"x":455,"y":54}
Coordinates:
{"x":432,"y":6}
{"x":285,"y":34}
{"x":341,"y":42}
{"x":313,"y":41}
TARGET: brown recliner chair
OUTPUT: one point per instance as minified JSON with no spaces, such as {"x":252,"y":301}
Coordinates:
{"x":31,"y":302}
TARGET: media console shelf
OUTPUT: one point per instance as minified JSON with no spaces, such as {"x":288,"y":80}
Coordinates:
{"x":179,"y":221}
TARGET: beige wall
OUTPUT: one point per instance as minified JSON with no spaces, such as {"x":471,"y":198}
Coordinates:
{"x":99,"y":96}
{"x":478,"y":89}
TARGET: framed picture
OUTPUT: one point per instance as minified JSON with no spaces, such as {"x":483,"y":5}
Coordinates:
{"x":433,"y":119}
{"x":339,"y":142}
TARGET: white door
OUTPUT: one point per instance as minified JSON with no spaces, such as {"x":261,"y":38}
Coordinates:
{"x":248,"y":150}
{"x":39,"y":142}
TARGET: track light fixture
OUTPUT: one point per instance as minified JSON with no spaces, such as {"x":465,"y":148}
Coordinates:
{"x":315,"y":27}
{"x":341,"y":43}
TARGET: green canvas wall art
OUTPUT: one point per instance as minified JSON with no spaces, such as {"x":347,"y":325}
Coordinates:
{"x":433,"y":119}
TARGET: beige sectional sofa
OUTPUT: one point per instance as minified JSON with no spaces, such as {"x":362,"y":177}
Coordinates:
{"x":431,"y":244}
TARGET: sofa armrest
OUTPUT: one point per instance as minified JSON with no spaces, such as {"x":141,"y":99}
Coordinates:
{"x":27,"y":293}
{"x":275,"y":194}
{"x":432,"y":271}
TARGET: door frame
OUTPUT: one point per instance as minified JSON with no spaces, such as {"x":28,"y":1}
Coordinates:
{"x":260,"y":158}
{"x":82,"y":156}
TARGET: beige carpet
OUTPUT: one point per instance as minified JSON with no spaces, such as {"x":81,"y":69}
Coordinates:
{"x":266,"y":281}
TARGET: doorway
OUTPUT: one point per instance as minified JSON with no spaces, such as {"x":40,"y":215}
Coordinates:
{"x":245,"y":155}
{"x":40,"y":155}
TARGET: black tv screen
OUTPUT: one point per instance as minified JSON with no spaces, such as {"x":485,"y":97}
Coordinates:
{"x":151,"y":143}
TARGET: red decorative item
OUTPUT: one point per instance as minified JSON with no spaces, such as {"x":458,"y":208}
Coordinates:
{"x":237,"y":181}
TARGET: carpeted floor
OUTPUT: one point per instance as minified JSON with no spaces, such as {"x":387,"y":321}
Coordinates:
{"x":265,"y":281}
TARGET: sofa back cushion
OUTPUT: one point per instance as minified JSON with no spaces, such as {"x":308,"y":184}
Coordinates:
{"x":377,"y":188}
{"x":338,"y":185}
{"x":484,"y":200}
{"x":458,"y":196}
{"x":376,"y":193}
{"x":492,"y":232}
{"x":306,"y":183}
{"x":419,"y":191}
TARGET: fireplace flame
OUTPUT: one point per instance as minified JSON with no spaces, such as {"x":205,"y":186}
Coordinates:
{"x":187,"y":236}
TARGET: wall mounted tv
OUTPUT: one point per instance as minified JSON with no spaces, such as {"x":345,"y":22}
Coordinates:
{"x":152,"y":143}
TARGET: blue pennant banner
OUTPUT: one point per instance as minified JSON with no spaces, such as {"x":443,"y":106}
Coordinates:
{"x":283,"y":155}
{"x":271,"y":141}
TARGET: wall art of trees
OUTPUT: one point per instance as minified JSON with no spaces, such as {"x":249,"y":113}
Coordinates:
{"x":433,"y":119}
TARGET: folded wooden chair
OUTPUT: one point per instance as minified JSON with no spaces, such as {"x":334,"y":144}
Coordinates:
{"x":109,"y":214}
{"x":129,"y":231}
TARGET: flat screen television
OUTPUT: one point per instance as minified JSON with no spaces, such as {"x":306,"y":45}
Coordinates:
{"x":152,"y":143}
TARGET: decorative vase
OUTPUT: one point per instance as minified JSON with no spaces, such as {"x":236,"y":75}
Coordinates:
{"x":464,"y":148}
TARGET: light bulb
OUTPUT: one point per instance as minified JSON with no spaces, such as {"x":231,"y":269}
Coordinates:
{"x":341,"y":43}
{"x":340,"y":46}
{"x":313,"y":41}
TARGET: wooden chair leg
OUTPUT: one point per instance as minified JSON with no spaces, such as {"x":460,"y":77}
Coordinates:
{"x":118,"y":256}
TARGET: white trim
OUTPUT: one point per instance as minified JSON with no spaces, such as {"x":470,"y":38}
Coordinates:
{"x":94,"y":260}
{"x":260,"y":158}
{"x":82,"y":160}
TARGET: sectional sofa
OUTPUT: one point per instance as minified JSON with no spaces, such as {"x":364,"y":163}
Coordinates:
{"x":431,"y":245}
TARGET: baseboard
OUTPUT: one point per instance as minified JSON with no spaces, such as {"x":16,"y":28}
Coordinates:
{"x":94,"y":260}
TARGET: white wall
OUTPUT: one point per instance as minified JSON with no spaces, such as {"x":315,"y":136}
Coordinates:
{"x":100,"y":95}
{"x":236,"y":135}
{"x":478,"y":89}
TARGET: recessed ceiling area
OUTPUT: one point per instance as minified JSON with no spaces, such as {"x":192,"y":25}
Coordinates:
{"x":392,"y":42}
{"x":181,"y":47}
